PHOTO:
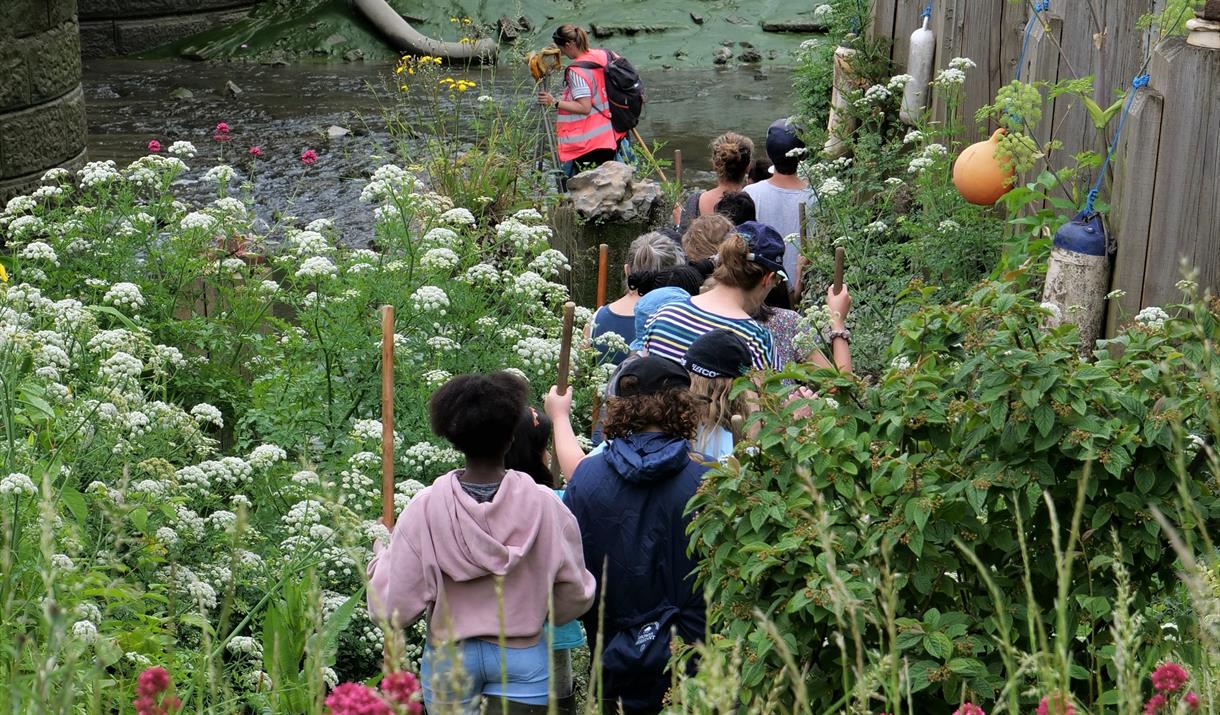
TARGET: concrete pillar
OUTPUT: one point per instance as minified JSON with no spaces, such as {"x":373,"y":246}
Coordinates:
{"x":42,"y":110}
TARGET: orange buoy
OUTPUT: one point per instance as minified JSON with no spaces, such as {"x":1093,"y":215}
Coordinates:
{"x":979,"y":176}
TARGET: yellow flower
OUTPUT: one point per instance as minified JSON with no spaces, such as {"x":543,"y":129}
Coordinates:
{"x":3,"y":274}
{"x":466,"y":21}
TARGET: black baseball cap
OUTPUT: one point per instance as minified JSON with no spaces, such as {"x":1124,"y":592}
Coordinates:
{"x":782,"y":138}
{"x":719,"y":353}
{"x":649,"y":375}
{"x":766,"y":245}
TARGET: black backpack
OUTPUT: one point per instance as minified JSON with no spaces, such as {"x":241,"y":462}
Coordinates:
{"x":623,"y":88}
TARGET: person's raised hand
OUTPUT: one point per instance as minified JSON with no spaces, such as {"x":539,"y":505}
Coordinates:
{"x":556,"y":405}
{"x":839,"y":304}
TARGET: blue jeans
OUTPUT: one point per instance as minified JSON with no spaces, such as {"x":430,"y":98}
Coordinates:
{"x":528,"y":674}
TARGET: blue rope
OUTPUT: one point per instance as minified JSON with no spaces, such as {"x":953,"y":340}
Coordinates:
{"x":1136,"y":84}
{"x":927,"y":11}
{"x":1040,"y":6}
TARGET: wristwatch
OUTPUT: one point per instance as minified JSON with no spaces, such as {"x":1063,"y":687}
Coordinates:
{"x":844,"y":333}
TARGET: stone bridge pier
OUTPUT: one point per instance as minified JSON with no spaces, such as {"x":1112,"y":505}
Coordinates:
{"x":42,"y":110}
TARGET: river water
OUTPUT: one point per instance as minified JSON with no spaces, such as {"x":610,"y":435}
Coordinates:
{"x":286,"y":109}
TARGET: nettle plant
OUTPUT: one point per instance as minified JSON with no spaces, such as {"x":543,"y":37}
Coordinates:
{"x":191,"y":461}
{"x":902,"y":543}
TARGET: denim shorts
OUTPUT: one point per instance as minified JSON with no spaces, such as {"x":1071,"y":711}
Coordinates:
{"x":528,"y":674}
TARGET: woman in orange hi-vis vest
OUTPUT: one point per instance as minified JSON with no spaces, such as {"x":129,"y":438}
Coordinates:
{"x":586,"y":136}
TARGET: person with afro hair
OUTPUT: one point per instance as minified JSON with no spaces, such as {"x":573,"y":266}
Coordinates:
{"x":480,"y":553}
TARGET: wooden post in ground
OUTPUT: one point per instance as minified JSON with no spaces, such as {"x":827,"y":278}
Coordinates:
{"x":603,"y":260}
{"x":387,"y":416}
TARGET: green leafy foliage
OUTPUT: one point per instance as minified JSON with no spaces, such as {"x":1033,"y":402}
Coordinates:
{"x":869,"y":505}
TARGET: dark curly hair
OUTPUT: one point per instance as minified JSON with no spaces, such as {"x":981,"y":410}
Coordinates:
{"x":675,"y":412}
{"x":530,"y":441}
{"x":478,"y":413}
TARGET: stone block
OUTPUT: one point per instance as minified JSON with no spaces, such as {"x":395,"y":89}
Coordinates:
{"x":140,"y":35}
{"x":54,"y":61}
{"x":14,"y":76}
{"x":61,"y":11}
{"x":26,"y":183}
{"x":98,"y":39}
{"x":131,"y":9}
{"x":43,"y":135}
{"x":22,"y":18}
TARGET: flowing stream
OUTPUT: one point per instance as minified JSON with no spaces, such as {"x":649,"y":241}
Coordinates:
{"x":284,"y":109}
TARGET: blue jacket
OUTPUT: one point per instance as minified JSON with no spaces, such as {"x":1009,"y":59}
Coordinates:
{"x":630,"y":502}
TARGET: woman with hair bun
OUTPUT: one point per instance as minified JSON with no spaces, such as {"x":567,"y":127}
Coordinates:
{"x":732,"y":156}
{"x":586,"y":136}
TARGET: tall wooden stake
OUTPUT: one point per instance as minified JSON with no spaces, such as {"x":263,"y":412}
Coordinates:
{"x":838,"y":286}
{"x":603,"y":260}
{"x":387,"y":416}
{"x":565,"y":347}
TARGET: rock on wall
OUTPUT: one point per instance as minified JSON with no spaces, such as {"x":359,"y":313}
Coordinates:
{"x":121,"y":27}
{"x":42,"y":111}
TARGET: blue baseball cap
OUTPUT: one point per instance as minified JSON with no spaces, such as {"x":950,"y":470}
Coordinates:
{"x":766,"y":246}
{"x":653,"y":301}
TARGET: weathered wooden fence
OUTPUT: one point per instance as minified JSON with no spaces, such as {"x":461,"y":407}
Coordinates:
{"x":1165,"y":195}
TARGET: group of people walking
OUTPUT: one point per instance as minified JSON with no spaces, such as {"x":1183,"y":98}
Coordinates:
{"x":495,"y":553}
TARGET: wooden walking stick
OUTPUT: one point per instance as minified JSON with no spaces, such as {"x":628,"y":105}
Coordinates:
{"x":565,"y":347}
{"x":603,"y":259}
{"x":838,"y":285}
{"x":387,"y":416}
{"x":648,"y":153}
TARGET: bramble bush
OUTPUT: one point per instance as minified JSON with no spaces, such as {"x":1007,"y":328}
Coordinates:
{"x":855,"y":532}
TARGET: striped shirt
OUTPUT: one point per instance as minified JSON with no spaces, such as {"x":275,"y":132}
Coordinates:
{"x":672,"y":329}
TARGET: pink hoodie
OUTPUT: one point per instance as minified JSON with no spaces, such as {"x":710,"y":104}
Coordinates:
{"x":447,"y":548}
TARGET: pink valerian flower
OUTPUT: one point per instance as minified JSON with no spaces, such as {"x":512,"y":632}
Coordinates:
{"x":309,"y":157}
{"x":1154,"y":704}
{"x":256,"y":151}
{"x":221,"y":133}
{"x":151,"y":698}
{"x":1168,"y":677}
{"x":403,"y":689}
{"x":356,"y":699}
{"x":969,"y":709}
{"x":154,"y":146}
{"x":1192,"y":701}
{"x":1055,"y":705}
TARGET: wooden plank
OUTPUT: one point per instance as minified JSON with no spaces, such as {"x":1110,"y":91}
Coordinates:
{"x":980,"y":24}
{"x":1188,"y":77}
{"x":1131,"y":216}
{"x":1042,"y":65}
{"x":944,"y":14}
{"x":906,"y":21}
{"x":882,"y":21}
{"x":1207,"y":231}
{"x":1071,"y":120}
{"x":1011,"y":35}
